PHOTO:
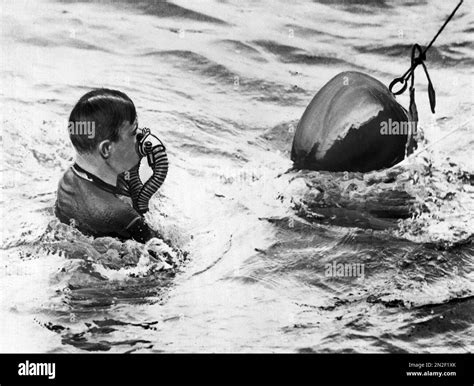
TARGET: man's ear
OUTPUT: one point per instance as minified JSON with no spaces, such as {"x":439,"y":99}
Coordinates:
{"x":105,"y":148}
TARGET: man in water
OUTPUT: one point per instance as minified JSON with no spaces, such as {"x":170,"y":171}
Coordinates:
{"x":96,"y":194}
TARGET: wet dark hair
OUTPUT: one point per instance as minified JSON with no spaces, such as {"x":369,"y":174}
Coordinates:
{"x":104,"y":108}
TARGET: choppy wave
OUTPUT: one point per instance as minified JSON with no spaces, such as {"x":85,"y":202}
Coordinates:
{"x":444,"y":55}
{"x":161,"y":8}
{"x":290,"y":54}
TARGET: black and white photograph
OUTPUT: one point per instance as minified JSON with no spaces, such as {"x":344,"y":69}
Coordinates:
{"x":237,"y":177}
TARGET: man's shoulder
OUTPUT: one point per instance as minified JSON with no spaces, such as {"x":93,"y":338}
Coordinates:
{"x":93,"y":209}
{"x":66,"y":179}
{"x":81,"y":188}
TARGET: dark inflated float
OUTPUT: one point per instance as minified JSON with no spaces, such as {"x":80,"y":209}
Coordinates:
{"x":355,"y":124}
{"x":348,"y":127}
{"x":353,"y":134}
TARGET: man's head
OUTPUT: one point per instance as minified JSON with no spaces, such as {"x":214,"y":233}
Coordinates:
{"x":103,"y":126}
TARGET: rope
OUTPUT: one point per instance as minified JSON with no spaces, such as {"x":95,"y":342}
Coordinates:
{"x":415,"y":62}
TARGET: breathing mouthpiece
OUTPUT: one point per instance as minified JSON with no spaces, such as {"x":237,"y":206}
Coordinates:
{"x":146,"y":142}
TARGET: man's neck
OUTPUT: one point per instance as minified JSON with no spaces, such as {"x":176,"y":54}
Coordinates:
{"x":98,"y":169}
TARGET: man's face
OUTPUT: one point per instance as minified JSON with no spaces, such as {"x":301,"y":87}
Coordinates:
{"x":123,"y":155}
